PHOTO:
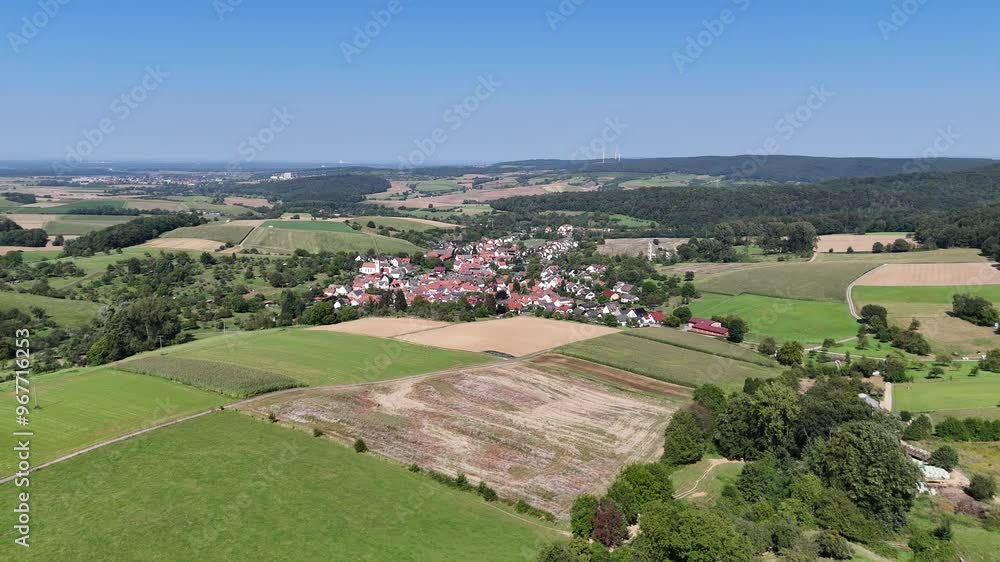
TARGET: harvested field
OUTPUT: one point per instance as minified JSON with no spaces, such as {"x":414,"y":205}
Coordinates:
{"x":29,"y":221}
{"x":220,"y":232}
{"x":183,"y":244}
{"x":806,"y":281}
{"x":382,"y":327}
{"x":636,"y":246}
{"x":253,"y":202}
{"x":839,"y":243}
{"x":6,"y":249}
{"x":150,"y":204}
{"x":543,"y":437}
{"x":909,"y":275}
{"x":522,"y":335}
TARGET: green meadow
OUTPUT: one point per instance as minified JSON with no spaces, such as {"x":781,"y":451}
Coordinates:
{"x":960,"y":396}
{"x":287,"y":240}
{"x":705,"y":344}
{"x":802,"y":281}
{"x":230,"y":487}
{"x":315,"y":358}
{"x":75,"y":206}
{"x":326,"y":226}
{"x":666,"y":362}
{"x":218,"y":231}
{"x":64,"y":311}
{"x":80,"y":407}
{"x":807,"y":321}
{"x":82,"y":224}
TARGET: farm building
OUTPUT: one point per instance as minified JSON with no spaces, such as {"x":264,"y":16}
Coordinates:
{"x":707,"y":327}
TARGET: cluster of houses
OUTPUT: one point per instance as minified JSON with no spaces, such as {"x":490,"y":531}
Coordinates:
{"x":486,"y":268}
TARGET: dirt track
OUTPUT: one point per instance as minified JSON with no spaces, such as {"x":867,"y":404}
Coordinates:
{"x":610,"y":374}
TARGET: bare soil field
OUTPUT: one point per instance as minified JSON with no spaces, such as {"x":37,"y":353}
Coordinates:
{"x":529,"y":434}
{"x":519,"y":336}
{"x":183,"y":244}
{"x":29,"y":221}
{"x":248,"y":202}
{"x":382,"y":327}
{"x":937,"y":274}
{"x":839,"y":243}
{"x":635,"y":246}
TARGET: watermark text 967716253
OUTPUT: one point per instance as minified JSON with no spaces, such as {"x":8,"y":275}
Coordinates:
{"x":22,"y":436}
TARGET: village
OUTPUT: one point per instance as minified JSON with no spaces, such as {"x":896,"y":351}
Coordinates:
{"x":483,"y":268}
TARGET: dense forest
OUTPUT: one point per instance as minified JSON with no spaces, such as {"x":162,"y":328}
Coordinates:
{"x":11,"y":234}
{"x":844,"y":205}
{"x":779,"y":168}
{"x":329,"y":191}
{"x":128,"y":234}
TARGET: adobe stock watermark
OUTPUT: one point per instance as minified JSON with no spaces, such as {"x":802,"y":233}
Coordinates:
{"x":454,"y":117}
{"x":257,"y":142}
{"x":786,"y":128}
{"x":563,"y":12}
{"x":599,"y":145}
{"x":945,"y":139}
{"x":223,"y":7}
{"x":700,"y":42}
{"x":32,"y":26}
{"x":364,"y":35}
{"x":122,"y":107}
{"x":901,"y":14}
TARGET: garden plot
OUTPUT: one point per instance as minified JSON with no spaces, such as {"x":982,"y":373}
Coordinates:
{"x":543,"y":437}
{"x":522,"y":335}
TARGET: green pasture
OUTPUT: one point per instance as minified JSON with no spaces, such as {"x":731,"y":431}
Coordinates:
{"x":807,"y":321}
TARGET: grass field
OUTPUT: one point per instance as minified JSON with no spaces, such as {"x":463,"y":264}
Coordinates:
{"x":82,"y":224}
{"x":64,"y":311}
{"x":974,"y":457}
{"x":80,"y":407}
{"x":961,"y":397}
{"x":225,"y":378}
{"x":805,"y":281}
{"x":806,"y":321}
{"x":76,"y":205}
{"x":973,"y":542}
{"x":666,"y":362}
{"x":437,"y":187}
{"x":322,"y":358}
{"x":705,"y":344}
{"x":323,"y":226}
{"x":702,"y":482}
{"x":402,"y":224}
{"x":285,"y":240}
{"x":930,"y":306}
{"x":220,"y":232}
{"x":229,"y":487}
{"x":632,"y":222}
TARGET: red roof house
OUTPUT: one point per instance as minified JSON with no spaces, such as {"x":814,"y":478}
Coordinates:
{"x":708,"y":327}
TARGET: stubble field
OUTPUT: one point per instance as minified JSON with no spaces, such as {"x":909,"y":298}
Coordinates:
{"x":518,"y":336}
{"x":540,"y":436}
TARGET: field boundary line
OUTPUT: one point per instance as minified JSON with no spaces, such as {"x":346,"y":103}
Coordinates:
{"x":850,"y":291}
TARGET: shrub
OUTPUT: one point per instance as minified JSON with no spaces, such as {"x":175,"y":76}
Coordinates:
{"x":832,"y":545}
{"x":581,"y":518}
{"x":639,"y":484}
{"x":271,"y":417}
{"x":524,"y":507}
{"x":982,"y":487}
{"x":683,"y":441}
{"x":461,"y":482}
{"x":414,"y":467}
{"x":945,"y":457}
{"x":360,"y":446}
{"x":768,"y":346}
{"x":919,"y":429}
{"x":485,"y":492}
{"x":317,"y":432}
{"x":609,"y":524}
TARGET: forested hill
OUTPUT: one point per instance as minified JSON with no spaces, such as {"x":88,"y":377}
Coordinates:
{"x":807,"y":169}
{"x":837,"y":205}
{"x":331,"y":189}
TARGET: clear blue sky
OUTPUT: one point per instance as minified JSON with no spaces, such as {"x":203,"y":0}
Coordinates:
{"x":557,"y":87}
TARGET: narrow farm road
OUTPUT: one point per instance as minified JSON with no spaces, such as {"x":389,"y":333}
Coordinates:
{"x":712,"y":464}
{"x":850,"y":292}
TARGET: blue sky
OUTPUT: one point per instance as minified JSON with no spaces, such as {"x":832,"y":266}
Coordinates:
{"x":558,"y":75}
